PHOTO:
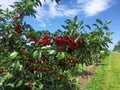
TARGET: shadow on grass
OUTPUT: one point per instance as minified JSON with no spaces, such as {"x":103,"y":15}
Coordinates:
{"x":101,"y":64}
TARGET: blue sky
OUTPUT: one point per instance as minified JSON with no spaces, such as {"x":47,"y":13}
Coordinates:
{"x":51,"y":15}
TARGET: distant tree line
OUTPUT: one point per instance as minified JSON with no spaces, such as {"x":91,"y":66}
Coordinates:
{"x":117,"y":46}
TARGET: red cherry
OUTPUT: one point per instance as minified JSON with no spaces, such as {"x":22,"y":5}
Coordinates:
{"x":46,"y":69}
{"x":17,"y":26}
{"x":14,"y":18}
{"x":34,"y":40}
{"x":45,"y":60}
{"x":42,"y":41}
{"x":38,"y":69}
{"x":30,"y":84}
{"x":30,"y":59}
{"x":9,"y":49}
{"x":81,"y":42}
{"x":45,"y":36}
{"x":39,"y":60}
{"x":1,"y":70}
{"x":57,"y":39}
{"x":19,"y":31}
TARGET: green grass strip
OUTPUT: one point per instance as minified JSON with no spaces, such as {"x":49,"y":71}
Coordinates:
{"x":107,"y":76}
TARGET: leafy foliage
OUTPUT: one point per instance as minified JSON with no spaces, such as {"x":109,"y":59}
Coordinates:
{"x":43,"y":60}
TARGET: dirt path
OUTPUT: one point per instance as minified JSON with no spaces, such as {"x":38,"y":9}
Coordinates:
{"x":84,"y":76}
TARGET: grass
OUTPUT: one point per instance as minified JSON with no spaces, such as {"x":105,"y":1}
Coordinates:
{"x":107,"y":76}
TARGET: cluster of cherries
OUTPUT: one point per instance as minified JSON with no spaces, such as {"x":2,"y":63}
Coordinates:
{"x":33,"y":68}
{"x":59,"y":40}
{"x":68,"y":40}
{"x":45,"y":40}
{"x":17,"y":25}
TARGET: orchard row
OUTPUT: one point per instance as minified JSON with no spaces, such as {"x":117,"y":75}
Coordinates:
{"x":41,"y":60}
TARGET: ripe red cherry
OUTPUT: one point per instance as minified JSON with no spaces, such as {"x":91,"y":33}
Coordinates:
{"x":1,"y":70}
{"x":17,"y":26}
{"x":81,"y":42}
{"x":45,"y":36}
{"x":45,"y":69}
{"x":39,"y":60}
{"x":30,"y":84}
{"x":30,"y":59}
{"x":14,"y":18}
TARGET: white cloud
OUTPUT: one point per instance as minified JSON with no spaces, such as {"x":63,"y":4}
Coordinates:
{"x":87,"y":7}
{"x":51,"y":10}
{"x":5,"y":3}
{"x":93,"y":7}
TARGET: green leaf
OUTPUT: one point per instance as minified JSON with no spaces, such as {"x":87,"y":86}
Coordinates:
{"x":99,"y":21}
{"x":40,"y":86}
{"x":109,"y":33}
{"x":30,"y":4}
{"x":68,"y":74}
{"x":106,"y":28}
{"x":18,"y":21}
{"x":60,"y":55}
{"x":10,"y":35}
{"x":96,"y":25}
{"x":10,"y":84}
{"x":51,"y":51}
{"x":82,"y":27}
{"x":68,"y":21}
{"x":80,"y":23}
{"x":75,"y":19}
{"x":63,"y":26}
{"x":35,"y":54}
{"x":40,"y":54}
{"x":107,"y":22}
{"x":102,"y":52}
{"x":13,"y":55}
{"x":78,"y":37}
{"x":44,"y":47}
{"x":57,"y":1}
{"x":19,"y":83}
{"x":17,"y":65}
{"x":34,"y":33}
{"x":27,"y":83}
{"x":88,"y":27}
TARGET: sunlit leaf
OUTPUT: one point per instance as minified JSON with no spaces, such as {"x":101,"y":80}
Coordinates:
{"x":80,"y":23}
{"x":35,"y":54}
{"x":40,"y":86}
{"x":51,"y":51}
{"x":13,"y":55}
{"x":60,"y":55}
{"x":17,"y":65}
{"x":19,"y":83}
{"x":107,"y":22}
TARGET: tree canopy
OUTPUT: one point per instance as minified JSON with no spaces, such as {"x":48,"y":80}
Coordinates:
{"x":117,"y":46}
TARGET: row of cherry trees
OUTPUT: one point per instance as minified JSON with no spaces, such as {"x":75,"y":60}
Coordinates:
{"x":41,"y":60}
{"x":117,"y":46}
